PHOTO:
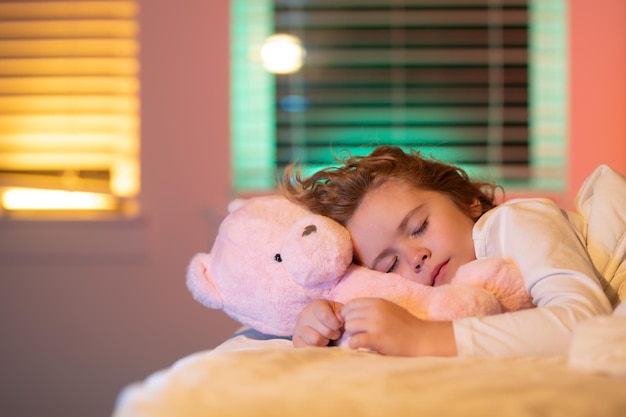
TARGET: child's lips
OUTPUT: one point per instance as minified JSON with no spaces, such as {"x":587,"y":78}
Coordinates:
{"x":436,"y":276}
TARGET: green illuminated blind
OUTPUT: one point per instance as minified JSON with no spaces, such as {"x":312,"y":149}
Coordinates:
{"x":451,"y":78}
{"x":548,"y":93}
{"x":253,"y":144}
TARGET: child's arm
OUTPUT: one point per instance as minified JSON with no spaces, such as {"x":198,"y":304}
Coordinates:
{"x":558,"y":274}
{"x":318,"y":324}
{"x":384,"y":327}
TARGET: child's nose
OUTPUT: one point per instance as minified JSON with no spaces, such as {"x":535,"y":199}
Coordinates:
{"x":419,"y":260}
{"x":413,"y":264}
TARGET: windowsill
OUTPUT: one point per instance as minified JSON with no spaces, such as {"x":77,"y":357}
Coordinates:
{"x":37,"y":241}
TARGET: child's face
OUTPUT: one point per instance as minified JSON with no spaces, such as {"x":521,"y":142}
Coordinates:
{"x":418,"y":234}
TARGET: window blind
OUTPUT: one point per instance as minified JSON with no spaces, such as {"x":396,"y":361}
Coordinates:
{"x":477,"y":83}
{"x":69,"y":106}
{"x":447,"y":77}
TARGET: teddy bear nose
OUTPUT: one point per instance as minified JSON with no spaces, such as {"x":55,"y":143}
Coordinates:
{"x":309,"y":229}
{"x":278,"y":258}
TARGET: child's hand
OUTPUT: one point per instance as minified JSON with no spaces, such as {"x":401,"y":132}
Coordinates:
{"x":384,"y":327}
{"x":318,"y":324}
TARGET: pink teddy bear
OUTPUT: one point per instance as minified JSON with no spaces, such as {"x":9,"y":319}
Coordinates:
{"x":272,"y":257}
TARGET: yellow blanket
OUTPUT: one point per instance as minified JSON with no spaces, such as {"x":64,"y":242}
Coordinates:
{"x":269,"y":378}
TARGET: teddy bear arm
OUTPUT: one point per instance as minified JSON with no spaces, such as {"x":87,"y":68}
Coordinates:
{"x":511,"y":293}
{"x":449,"y":302}
{"x":359,"y":281}
{"x":501,"y":277}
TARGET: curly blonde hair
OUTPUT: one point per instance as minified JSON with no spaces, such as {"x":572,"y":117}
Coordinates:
{"x":336,"y":192}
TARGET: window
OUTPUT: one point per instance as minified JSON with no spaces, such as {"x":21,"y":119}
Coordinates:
{"x":69,"y":107}
{"x":478,"y":83}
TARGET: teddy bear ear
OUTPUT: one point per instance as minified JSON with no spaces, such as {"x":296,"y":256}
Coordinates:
{"x":200,"y":283}
{"x":317,"y":251}
{"x":236,"y":203}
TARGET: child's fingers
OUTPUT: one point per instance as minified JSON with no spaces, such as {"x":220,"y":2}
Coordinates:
{"x":357,"y":307}
{"x":309,"y":337}
{"x":362,"y":341}
{"x":336,"y":307}
{"x":318,"y":328}
{"x":318,"y":324}
{"x":328,"y":313}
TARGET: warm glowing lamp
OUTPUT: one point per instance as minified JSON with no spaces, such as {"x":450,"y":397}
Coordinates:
{"x":282,"y":54}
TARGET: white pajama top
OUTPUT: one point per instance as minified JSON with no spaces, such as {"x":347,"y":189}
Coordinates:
{"x":548,"y":245}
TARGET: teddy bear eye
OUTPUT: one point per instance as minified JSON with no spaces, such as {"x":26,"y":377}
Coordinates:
{"x":278,"y":258}
{"x":309,"y":229}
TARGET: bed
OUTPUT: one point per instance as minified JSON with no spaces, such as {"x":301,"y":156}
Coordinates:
{"x":254,"y":374}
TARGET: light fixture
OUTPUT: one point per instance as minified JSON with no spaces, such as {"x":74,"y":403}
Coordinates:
{"x":282,"y":54}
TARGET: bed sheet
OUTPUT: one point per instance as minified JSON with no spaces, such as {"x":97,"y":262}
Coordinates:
{"x":246,"y":376}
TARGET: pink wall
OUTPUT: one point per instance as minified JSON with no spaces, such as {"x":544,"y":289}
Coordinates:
{"x":597,"y":88}
{"x":88,"y":308}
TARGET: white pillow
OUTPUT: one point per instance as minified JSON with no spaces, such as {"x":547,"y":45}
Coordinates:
{"x":602,"y":202}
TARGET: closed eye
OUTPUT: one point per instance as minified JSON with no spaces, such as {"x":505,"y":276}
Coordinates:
{"x":415,"y":233}
{"x":393,"y":265}
{"x":421,"y":229}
